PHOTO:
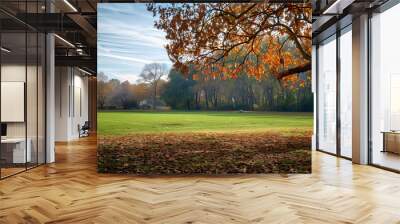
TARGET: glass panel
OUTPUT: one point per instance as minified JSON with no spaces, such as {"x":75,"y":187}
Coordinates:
{"x":327,"y":96}
{"x":41,"y":99}
{"x":346,"y":94}
{"x":32,"y":88}
{"x":13,"y":86}
{"x":385,"y":84}
{"x":31,"y":99}
{"x":23,"y":90}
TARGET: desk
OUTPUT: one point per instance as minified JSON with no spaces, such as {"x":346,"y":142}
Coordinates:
{"x":18,"y":150}
{"x":391,"y":141}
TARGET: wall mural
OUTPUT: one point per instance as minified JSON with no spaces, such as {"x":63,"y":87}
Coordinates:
{"x":214,"y":88}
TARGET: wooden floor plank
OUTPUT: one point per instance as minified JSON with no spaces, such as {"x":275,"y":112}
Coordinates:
{"x":71,"y":191}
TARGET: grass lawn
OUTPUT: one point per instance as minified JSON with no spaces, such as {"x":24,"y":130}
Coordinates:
{"x":133,"y":122}
{"x":154,"y":143}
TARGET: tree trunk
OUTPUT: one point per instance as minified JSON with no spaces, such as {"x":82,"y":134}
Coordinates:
{"x":206,"y":98}
{"x":155,"y":95}
{"x":188,"y":104}
{"x":197,"y":100}
{"x":101,"y":103}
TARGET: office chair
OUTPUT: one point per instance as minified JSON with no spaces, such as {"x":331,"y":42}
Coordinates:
{"x":84,"y":130}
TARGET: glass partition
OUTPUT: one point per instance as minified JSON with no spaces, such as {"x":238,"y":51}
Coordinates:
{"x":346,"y":93}
{"x":327,"y":95}
{"x":41,"y":97}
{"x":32,"y":98}
{"x":22,"y":77}
{"x":13,"y":94}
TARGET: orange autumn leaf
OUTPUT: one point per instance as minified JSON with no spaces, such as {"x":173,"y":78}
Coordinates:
{"x":259,"y":39}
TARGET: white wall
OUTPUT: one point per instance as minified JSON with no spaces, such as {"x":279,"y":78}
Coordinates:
{"x":71,"y":102}
{"x":33,"y":126}
{"x":16,"y":73}
{"x":80,"y":110}
{"x":62,"y":82}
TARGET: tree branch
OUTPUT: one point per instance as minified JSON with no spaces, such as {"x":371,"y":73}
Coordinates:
{"x":301,"y":68}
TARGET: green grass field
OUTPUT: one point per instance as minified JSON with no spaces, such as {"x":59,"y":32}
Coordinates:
{"x":131,"y":122}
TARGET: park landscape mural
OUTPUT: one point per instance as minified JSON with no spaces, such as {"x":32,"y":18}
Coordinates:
{"x":204,"y":88}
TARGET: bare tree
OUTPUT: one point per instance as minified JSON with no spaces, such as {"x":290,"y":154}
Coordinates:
{"x":103,"y":89}
{"x":152,"y":74}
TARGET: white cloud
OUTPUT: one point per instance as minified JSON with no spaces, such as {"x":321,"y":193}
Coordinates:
{"x":133,"y":59}
{"x":132,"y":78}
{"x":139,"y":35}
{"x":127,"y":40}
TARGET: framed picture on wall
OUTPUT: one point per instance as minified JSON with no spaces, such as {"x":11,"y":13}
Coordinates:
{"x":12,"y":100}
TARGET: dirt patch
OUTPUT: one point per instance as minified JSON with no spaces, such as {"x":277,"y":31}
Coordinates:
{"x":205,"y":153}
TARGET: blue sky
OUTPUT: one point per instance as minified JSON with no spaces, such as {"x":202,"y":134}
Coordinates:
{"x":127,"y":40}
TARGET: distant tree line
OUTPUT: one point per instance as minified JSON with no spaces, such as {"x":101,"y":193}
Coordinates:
{"x":195,"y":91}
{"x":243,"y":93}
{"x":114,"y":94}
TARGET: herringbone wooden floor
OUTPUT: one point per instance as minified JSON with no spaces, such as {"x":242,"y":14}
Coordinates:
{"x":70,"y":191}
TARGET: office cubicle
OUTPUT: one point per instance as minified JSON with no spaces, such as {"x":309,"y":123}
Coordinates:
{"x":22,"y":77}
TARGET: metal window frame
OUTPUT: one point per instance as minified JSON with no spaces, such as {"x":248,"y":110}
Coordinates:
{"x":339,"y":32}
{"x":338,"y":95}
{"x":387,"y":5}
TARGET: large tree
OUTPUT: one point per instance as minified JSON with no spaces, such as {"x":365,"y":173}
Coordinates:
{"x":178,"y":91}
{"x":259,"y":38}
{"x":152,"y":74}
{"x":124,"y":95}
{"x":103,"y":90}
